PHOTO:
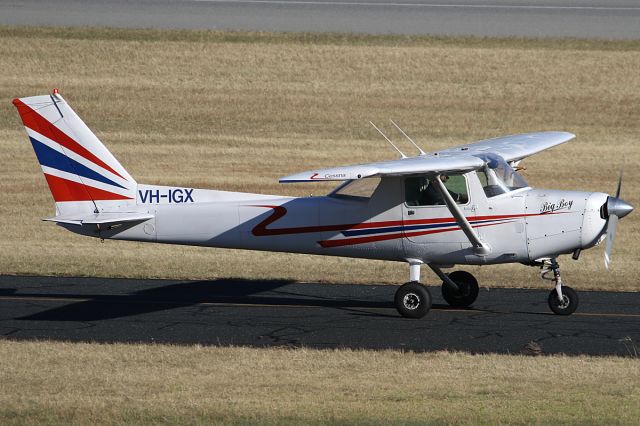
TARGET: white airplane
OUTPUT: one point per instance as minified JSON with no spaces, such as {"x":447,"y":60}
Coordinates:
{"x":465,"y":205}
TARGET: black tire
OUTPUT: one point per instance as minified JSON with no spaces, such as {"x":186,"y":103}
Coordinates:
{"x":568,"y":305}
{"x":468,"y":290}
{"x":413,"y":300}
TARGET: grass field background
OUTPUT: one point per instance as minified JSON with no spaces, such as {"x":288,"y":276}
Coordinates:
{"x":235,"y":111}
{"x":157,"y":384}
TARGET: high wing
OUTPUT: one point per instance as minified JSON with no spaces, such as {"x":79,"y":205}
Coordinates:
{"x":514,"y":147}
{"x":431,"y":163}
{"x":460,"y":159}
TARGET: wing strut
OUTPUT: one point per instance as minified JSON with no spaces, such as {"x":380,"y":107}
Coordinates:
{"x":388,"y":140}
{"x":480,"y":248}
{"x":407,"y":136}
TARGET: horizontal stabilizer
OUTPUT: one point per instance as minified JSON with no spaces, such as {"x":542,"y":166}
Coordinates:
{"x":101,"y":218}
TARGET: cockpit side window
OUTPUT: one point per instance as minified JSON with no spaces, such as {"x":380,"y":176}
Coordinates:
{"x":420,"y":191}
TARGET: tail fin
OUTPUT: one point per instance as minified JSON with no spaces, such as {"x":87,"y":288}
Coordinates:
{"x":81,"y":172}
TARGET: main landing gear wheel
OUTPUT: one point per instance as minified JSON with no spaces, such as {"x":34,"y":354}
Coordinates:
{"x":467,"y":292}
{"x":567,"y":305}
{"x":413,"y":300}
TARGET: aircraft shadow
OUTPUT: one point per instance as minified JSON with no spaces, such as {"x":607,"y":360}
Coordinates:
{"x":223,"y":291}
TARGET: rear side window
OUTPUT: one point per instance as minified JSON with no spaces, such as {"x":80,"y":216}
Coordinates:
{"x":361,"y":189}
{"x":420,"y":191}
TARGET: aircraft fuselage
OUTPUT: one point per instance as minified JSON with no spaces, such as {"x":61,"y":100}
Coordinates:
{"x":519,"y":226}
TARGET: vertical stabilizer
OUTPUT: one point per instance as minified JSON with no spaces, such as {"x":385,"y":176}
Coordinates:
{"x":81,"y":172}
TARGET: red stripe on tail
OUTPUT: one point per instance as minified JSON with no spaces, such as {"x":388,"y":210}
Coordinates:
{"x":68,"y":190}
{"x":38,"y":123}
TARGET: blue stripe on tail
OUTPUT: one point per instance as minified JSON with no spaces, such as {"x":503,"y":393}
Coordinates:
{"x":51,"y":158}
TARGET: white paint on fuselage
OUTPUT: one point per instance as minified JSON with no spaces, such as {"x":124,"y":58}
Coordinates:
{"x":320,"y":225}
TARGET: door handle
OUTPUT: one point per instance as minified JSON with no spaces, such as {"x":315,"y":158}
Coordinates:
{"x":411,"y":212}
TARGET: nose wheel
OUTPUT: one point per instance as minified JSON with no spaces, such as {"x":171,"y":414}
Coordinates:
{"x":565,"y":306}
{"x":563,"y":300}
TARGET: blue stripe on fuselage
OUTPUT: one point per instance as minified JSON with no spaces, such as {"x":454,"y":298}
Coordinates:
{"x":407,"y":228}
{"x":49,"y":157}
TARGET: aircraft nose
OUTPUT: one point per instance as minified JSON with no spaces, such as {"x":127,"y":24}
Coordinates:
{"x":618,"y":207}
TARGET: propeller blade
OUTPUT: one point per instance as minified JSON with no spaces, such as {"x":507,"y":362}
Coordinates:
{"x":619,"y":185}
{"x":616,"y":209}
{"x":612,"y":224}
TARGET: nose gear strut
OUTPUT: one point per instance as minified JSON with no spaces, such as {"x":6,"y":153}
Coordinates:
{"x":548,"y":266}
{"x":563,"y":300}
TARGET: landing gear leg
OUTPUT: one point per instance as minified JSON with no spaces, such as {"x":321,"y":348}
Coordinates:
{"x":563,"y":300}
{"x":459,"y":289}
{"x":413,"y":299}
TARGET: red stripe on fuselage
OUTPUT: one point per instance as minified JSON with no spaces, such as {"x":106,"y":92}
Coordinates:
{"x":68,"y":190}
{"x":260,"y":230}
{"x":363,"y":240}
{"x":38,"y":123}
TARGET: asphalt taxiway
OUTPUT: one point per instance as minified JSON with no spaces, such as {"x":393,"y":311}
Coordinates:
{"x":615,"y":19}
{"x":281,"y":313}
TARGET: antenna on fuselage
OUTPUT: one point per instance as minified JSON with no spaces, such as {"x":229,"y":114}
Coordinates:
{"x":406,"y":136}
{"x":388,"y":140}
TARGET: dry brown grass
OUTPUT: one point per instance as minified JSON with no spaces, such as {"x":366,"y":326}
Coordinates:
{"x":115,"y":384}
{"x":235,"y":111}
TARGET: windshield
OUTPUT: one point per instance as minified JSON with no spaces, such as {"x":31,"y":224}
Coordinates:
{"x":498,"y":177}
{"x":361,"y":189}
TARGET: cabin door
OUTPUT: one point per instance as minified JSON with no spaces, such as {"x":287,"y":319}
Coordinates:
{"x":426,"y":219}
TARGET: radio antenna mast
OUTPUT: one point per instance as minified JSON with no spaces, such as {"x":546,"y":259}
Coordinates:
{"x":388,"y":140}
{"x":406,"y":136}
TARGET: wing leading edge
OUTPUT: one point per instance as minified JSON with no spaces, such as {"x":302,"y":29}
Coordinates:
{"x":428,"y":164}
{"x":460,"y":159}
{"x":514,"y":147}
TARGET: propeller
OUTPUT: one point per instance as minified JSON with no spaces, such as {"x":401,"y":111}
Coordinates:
{"x":613,"y":210}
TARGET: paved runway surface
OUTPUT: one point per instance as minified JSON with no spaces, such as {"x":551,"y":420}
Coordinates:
{"x":278,"y":313}
{"x":616,"y":19}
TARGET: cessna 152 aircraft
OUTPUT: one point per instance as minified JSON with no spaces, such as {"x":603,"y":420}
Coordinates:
{"x":466,"y":205}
